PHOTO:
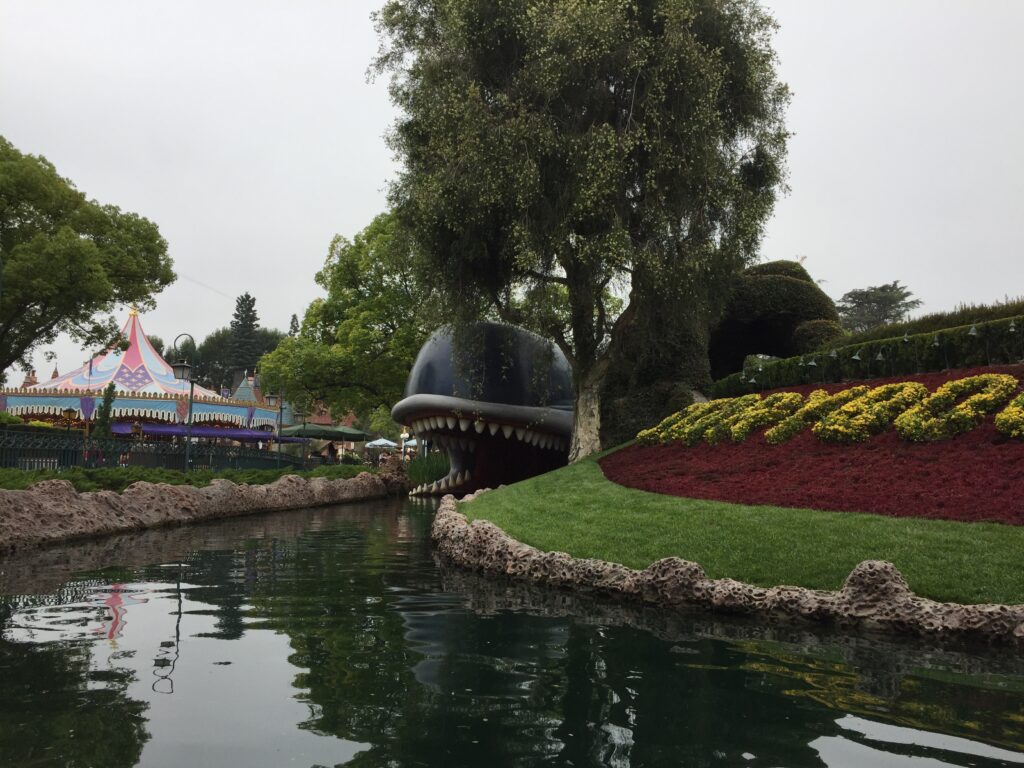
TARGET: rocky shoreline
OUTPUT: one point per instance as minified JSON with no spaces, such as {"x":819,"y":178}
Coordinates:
{"x":53,"y":511}
{"x":875,"y":595}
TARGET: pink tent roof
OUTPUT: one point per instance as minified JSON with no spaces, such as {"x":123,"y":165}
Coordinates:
{"x":139,"y":369}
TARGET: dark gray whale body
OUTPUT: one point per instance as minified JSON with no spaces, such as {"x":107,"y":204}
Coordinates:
{"x":498,"y":400}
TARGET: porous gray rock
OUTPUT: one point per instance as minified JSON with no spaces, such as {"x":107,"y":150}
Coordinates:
{"x":53,"y":510}
{"x":874,"y":596}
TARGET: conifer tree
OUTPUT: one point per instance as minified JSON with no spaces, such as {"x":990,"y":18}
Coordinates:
{"x":244,"y":346}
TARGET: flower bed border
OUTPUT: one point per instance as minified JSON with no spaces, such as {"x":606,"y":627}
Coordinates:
{"x":874,"y":596}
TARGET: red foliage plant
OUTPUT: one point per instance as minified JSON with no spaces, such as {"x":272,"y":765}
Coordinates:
{"x":976,"y":476}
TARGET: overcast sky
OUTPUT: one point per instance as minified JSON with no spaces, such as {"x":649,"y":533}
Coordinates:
{"x":247,"y":130}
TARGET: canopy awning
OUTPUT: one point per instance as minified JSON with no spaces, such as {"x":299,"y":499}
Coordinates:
{"x":320,"y":432}
{"x":381,"y":442}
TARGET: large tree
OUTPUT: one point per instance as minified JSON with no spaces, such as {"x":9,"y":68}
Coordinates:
{"x":67,"y":262}
{"x":585,"y":151}
{"x":865,"y":308}
{"x":356,"y":345}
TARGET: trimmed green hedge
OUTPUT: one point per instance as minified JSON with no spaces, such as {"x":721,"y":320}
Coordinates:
{"x":117,"y":478}
{"x":968,"y":346}
{"x":966,"y":314}
{"x":768,"y":303}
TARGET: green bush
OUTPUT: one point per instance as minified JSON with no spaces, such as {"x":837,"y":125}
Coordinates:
{"x":784,"y":267}
{"x":427,"y":469}
{"x":964,"y":315}
{"x":812,"y":335}
{"x":969,"y":346}
{"x":6,"y":418}
{"x":768,"y":303}
{"x":119,"y":478}
{"x":622,"y":417}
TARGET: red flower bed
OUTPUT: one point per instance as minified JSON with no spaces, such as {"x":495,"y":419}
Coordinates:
{"x":975,"y":476}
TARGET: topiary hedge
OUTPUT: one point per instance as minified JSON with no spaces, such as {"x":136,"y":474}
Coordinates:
{"x":768,"y":303}
{"x":815,"y":334}
{"x":996,"y":342}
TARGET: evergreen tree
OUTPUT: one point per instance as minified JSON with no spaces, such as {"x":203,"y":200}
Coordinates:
{"x":293,"y":326}
{"x":865,"y":308}
{"x":103,"y":413}
{"x":244,"y":346}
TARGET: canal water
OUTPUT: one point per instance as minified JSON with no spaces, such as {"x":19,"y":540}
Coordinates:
{"x":331,"y":637}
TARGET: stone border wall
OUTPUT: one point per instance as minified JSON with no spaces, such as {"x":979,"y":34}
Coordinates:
{"x":53,"y":511}
{"x":874,"y":596}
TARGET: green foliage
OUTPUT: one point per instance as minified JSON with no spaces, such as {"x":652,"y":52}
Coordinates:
{"x":356,"y":346}
{"x":427,"y":469}
{"x":781,"y":268}
{"x":101,"y":427}
{"x":381,"y":424}
{"x":964,"y":315}
{"x":119,"y":478}
{"x":865,"y":308}
{"x":762,"y":545}
{"x":157,"y":342}
{"x":999,"y":341}
{"x":293,"y":326}
{"x":812,"y":335}
{"x":625,"y":415}
{"x":211,"y":361}
{"x":593,"y":146}
{"x":7,"y":418}
{"x":67,"y":261}
{"x":243,"y":344}
{"x":769,"y":302}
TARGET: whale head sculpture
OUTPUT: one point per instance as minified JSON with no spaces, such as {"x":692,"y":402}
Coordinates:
{"x":499,"y":402}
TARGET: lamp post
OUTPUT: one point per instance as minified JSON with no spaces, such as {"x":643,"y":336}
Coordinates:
{"x":183,"y":372}
{"x":273,"y":400}
{"x":401,"y":449}
{"x":69,"y":416}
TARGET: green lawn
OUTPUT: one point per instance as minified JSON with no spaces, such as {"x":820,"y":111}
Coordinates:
{"x":576,"y":510}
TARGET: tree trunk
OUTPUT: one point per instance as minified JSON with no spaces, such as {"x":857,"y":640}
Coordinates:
{"x":586,"y":431}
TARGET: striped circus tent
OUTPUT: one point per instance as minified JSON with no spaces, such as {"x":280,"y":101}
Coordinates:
{"x":146,"y":391}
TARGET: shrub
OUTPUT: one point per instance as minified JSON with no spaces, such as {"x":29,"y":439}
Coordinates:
{"x":812,"y":335}
{"x":941,"y":416}
{"x":427,"y":469}
{"x":768,"y":303}
{"x":769,"y":410}
{"x":963,"y":315}
{"x":999,"y":341}
{"x":7,"y":418}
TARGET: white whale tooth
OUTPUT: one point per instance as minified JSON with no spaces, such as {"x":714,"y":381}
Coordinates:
{"x":528,"y":437}
{"x":468,"y":476}
{"x":493,"y":427}
{"x":444,"y":484}
{"x":438,"y":422}
{"x":520,"y":432}
{"x":458,"y":479}
{"x":463,"y":424}
{"x":420,"y":425}
{"x":450,"y":421}
{"x":479,"y":425}
{"x":506,"y":430}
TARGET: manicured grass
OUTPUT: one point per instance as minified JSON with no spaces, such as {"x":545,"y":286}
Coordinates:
{"x":577,"y":510}
{"x":117,"y":478}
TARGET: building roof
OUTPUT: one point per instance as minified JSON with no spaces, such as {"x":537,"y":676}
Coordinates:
{"x":137,"y":370}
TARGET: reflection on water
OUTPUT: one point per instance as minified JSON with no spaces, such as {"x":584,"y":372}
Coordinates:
{"x":331,"y":637}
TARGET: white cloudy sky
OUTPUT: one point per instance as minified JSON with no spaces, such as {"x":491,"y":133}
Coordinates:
{"x":248,"y":131}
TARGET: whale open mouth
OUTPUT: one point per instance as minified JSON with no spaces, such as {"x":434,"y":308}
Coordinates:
{"x":488,"y":444}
